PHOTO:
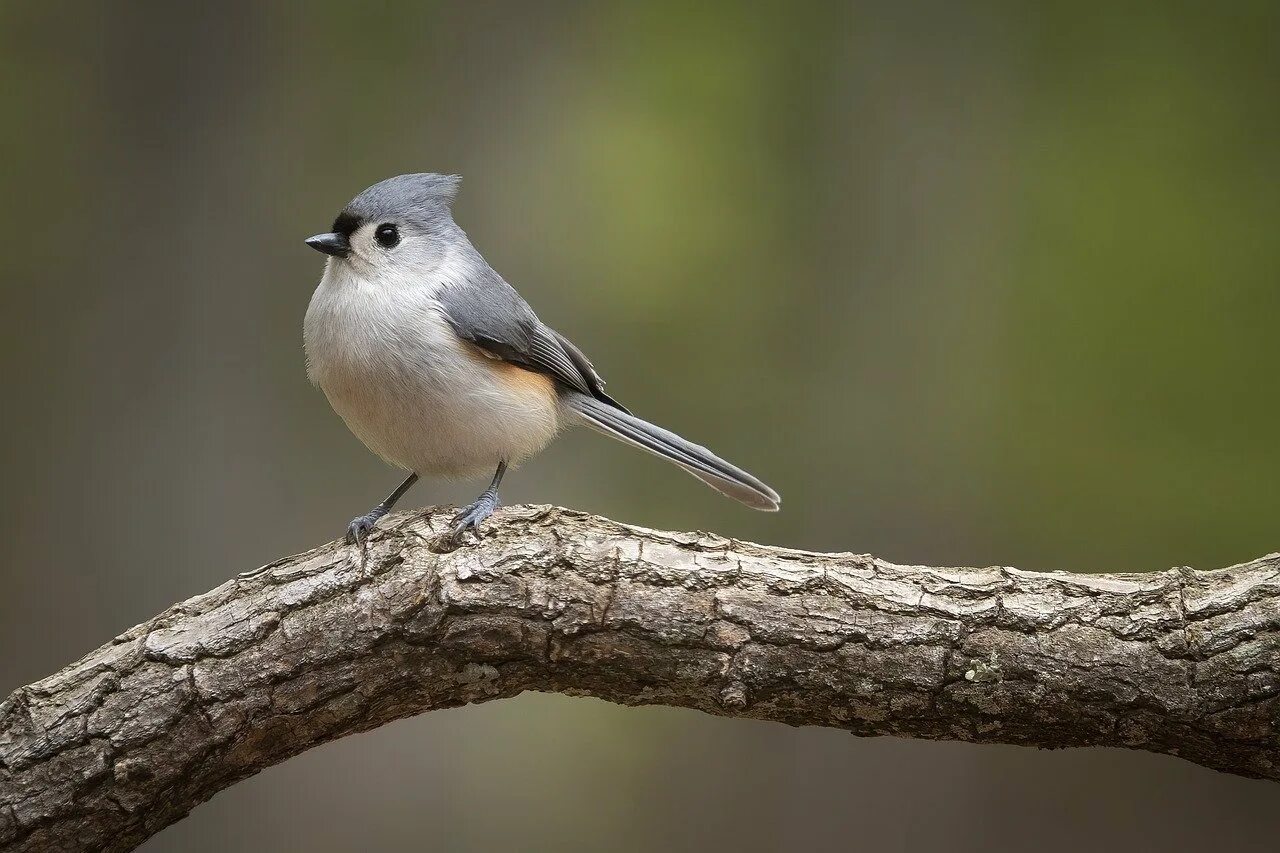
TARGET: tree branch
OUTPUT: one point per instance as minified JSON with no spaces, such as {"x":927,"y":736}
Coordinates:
{"x":133,"y":736}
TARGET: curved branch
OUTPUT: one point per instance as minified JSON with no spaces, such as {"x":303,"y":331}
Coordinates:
{"x":133,"y":736}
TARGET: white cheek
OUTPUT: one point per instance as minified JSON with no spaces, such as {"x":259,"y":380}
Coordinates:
{"x":422,"y":265}
{"x":417,"y":267}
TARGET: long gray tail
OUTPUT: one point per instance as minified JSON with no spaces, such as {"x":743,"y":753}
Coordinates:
{"x":702,"y":463}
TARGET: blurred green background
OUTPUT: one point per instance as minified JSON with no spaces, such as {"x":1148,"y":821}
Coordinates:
{"x":968,"y":283}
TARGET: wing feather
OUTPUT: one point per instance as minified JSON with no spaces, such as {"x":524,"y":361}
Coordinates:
{"x":487,"y":312}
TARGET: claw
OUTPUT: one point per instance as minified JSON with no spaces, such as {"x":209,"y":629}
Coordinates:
{"x":359,"y":528}
{"x":470,"y":517}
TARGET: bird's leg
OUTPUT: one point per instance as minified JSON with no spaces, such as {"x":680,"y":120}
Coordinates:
{"x":481,"y":508}
{"x":359,"y":528}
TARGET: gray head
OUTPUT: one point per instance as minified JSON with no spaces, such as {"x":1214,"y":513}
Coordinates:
{"x":397,"y":221}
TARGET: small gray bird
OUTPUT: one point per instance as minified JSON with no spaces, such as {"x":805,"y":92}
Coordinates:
{"x":439,"y":366}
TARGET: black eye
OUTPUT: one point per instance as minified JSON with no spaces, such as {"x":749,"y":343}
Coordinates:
{"x":387,"y":235}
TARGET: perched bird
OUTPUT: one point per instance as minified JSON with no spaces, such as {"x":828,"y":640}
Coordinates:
{"x":439,"y":366}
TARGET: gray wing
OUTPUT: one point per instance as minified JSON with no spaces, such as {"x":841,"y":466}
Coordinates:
{"x":487,"y":312}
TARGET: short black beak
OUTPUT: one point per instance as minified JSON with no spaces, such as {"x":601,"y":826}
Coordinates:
{"x":331,"y":244}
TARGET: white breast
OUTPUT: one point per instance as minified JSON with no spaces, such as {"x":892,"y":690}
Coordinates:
{"x":410,"y":389}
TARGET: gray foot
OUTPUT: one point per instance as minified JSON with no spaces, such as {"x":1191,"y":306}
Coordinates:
{"x":470,"y":517}
{"x":360,"y":528}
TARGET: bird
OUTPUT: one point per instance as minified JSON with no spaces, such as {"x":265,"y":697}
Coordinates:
{"x":439,"y":366}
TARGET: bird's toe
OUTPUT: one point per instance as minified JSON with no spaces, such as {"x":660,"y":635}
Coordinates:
{"x":472,"y":516}
{"x":358,"y":530}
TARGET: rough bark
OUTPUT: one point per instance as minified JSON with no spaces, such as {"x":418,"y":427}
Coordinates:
{"x":133,"y":736}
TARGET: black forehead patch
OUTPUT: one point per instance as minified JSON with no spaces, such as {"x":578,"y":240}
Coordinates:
{"x":346,"y":223}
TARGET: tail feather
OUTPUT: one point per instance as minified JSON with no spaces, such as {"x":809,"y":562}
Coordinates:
{"x":720,"y":475}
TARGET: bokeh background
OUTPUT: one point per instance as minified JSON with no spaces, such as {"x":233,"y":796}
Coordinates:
{"x":990,"y":283}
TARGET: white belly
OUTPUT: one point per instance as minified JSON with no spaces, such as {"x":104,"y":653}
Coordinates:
{"x":415,"y":393}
